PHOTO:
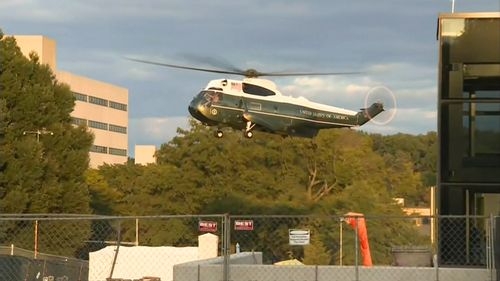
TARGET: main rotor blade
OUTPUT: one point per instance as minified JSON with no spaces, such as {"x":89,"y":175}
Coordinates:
{"x":188,"y":67}
{"x":250,"y":73}
{"x":210,"y":61}
{"x":277,"y":74}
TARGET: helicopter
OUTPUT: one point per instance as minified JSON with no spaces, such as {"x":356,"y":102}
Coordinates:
{"x":256,"y":104}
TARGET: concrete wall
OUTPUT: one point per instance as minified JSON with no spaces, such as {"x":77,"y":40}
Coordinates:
{"x":249,"y":267}
{"x":213,"y":269}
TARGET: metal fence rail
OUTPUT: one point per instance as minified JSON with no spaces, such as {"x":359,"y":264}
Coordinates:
{"x":226,"y":247}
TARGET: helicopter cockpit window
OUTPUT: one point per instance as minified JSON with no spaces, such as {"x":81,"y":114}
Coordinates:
{"x":257,"y":90}
{"x":215,"y":88}
{"x":212,"y":97}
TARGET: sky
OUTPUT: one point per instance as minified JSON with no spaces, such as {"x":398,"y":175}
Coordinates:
{"x":392,"y":42}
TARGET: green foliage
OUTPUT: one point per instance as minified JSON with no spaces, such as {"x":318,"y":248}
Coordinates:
{"x":338,"y":172}
{"x":42,"y":156}
{"x":316,"y":253}
{"x":418,"y":151}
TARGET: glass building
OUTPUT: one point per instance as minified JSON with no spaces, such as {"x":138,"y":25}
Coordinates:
{"x":469,"y":134}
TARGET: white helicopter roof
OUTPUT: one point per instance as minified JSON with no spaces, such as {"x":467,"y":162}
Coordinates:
{"x":235,"y":87}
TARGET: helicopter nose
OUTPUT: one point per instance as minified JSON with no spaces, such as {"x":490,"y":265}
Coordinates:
{"x":196,"y":109}
{"x":193,"y":107}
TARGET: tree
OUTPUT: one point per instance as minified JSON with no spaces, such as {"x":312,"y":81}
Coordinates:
{"x":418,"y":151}
{"x":39,"y":173}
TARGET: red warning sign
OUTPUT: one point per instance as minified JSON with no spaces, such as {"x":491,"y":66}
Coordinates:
{"x":207,"y":226}
{"x":243,"y":225}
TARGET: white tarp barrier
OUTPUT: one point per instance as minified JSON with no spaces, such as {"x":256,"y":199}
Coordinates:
{"x":139,"y":261}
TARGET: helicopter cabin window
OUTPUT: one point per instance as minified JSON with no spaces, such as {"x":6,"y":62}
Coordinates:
{"x":257,"y":90}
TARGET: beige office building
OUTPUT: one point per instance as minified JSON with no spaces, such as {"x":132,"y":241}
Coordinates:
{"x":101,"y":106}
{"x":145,"y":154}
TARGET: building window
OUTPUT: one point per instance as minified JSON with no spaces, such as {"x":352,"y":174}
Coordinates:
{"x":98,"y":125}
{"x":117,"y":105}
{"x":98,"y":101}
{"x":78,"y":121}
{"x":118,"y":129}
{"x":481,"y":128}
{"x":80,"y":97}
{"x":118,"y":151}
{"x":99,"y":149}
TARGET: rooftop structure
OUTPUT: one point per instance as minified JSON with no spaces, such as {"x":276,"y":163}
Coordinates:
{"x":145,"y":154}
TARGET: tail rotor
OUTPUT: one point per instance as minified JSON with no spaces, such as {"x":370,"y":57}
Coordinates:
{"x":382,"y":95}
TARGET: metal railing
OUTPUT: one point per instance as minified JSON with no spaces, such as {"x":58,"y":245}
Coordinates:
{"x":74,"y":247}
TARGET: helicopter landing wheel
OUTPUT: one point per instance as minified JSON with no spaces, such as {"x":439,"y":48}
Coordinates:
{"x":219,"y":134}
{"x":248,"y":134}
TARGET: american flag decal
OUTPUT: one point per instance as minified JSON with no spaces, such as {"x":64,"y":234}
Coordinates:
{"x":236,"y":86}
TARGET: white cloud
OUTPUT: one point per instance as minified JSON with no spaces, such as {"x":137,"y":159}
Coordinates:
{"x":356,"y":89}
{"x":311,"y":87}
{"x":412,"y":86}
{"x":386,"y":67}
{"x":155,"y":130}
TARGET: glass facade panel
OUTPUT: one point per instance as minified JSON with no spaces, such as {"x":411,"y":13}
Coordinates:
{"x":117,"y":105}
{"x":470,"y":142}
{"x":78,"y":121}
{"x":118,"y":151}
{"x":469,"y":126}
{"x":98,"y":125}
{"x":99,"y":149}
{"x":470,"y":100}
{"x":98,"y":101}
{"x":486,"y":138}
{"x":80,"y":97}
{"x":118,"y":129}
{"x":458,"y":36}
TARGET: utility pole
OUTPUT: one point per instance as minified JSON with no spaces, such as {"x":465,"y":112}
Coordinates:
{"x":39,"y":132}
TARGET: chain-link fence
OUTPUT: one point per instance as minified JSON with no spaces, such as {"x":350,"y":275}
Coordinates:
{"x":102,"y":248}
{"x":224,"y":247}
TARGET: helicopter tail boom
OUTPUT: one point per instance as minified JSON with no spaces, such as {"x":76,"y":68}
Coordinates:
{"x":366,"y":114}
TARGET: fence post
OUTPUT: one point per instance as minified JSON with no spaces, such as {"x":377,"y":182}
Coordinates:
{"x":226,"y":245}
{"x":36,"y":240}
{"x":356,"y":250}
{"x":136,"y":231}
{"x":436,"y":258}
{"x":491,"y":252}
{"x":117,"y":249}
{"x":341,"y":242}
